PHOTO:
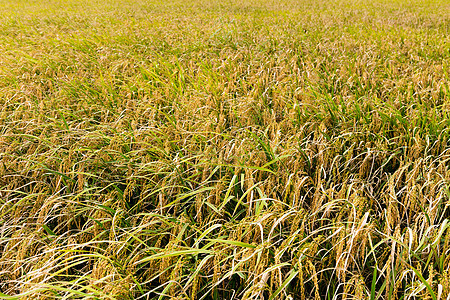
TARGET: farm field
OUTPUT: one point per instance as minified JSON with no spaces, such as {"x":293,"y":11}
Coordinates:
{"x":235,"y":149}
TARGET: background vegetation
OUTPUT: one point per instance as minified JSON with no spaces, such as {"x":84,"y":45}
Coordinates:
{"x":229,"y":149}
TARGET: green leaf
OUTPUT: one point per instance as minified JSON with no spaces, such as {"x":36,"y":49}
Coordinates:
{"x":49,"y":231}
{"x":284,"y":284}
{"x":234,"y":243}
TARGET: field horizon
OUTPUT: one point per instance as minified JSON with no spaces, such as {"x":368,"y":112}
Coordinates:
{"x":224,"y":149}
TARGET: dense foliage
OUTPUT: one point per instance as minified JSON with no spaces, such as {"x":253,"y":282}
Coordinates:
{"x":224,"y":149}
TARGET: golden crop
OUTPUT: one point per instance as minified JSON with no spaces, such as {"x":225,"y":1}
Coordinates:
{"x":224,"y":149}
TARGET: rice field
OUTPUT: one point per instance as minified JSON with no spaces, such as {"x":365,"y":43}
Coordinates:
{"x":234,"y":149}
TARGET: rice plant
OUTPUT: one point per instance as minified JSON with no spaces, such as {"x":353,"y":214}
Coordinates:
{"x":224,"y":149}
